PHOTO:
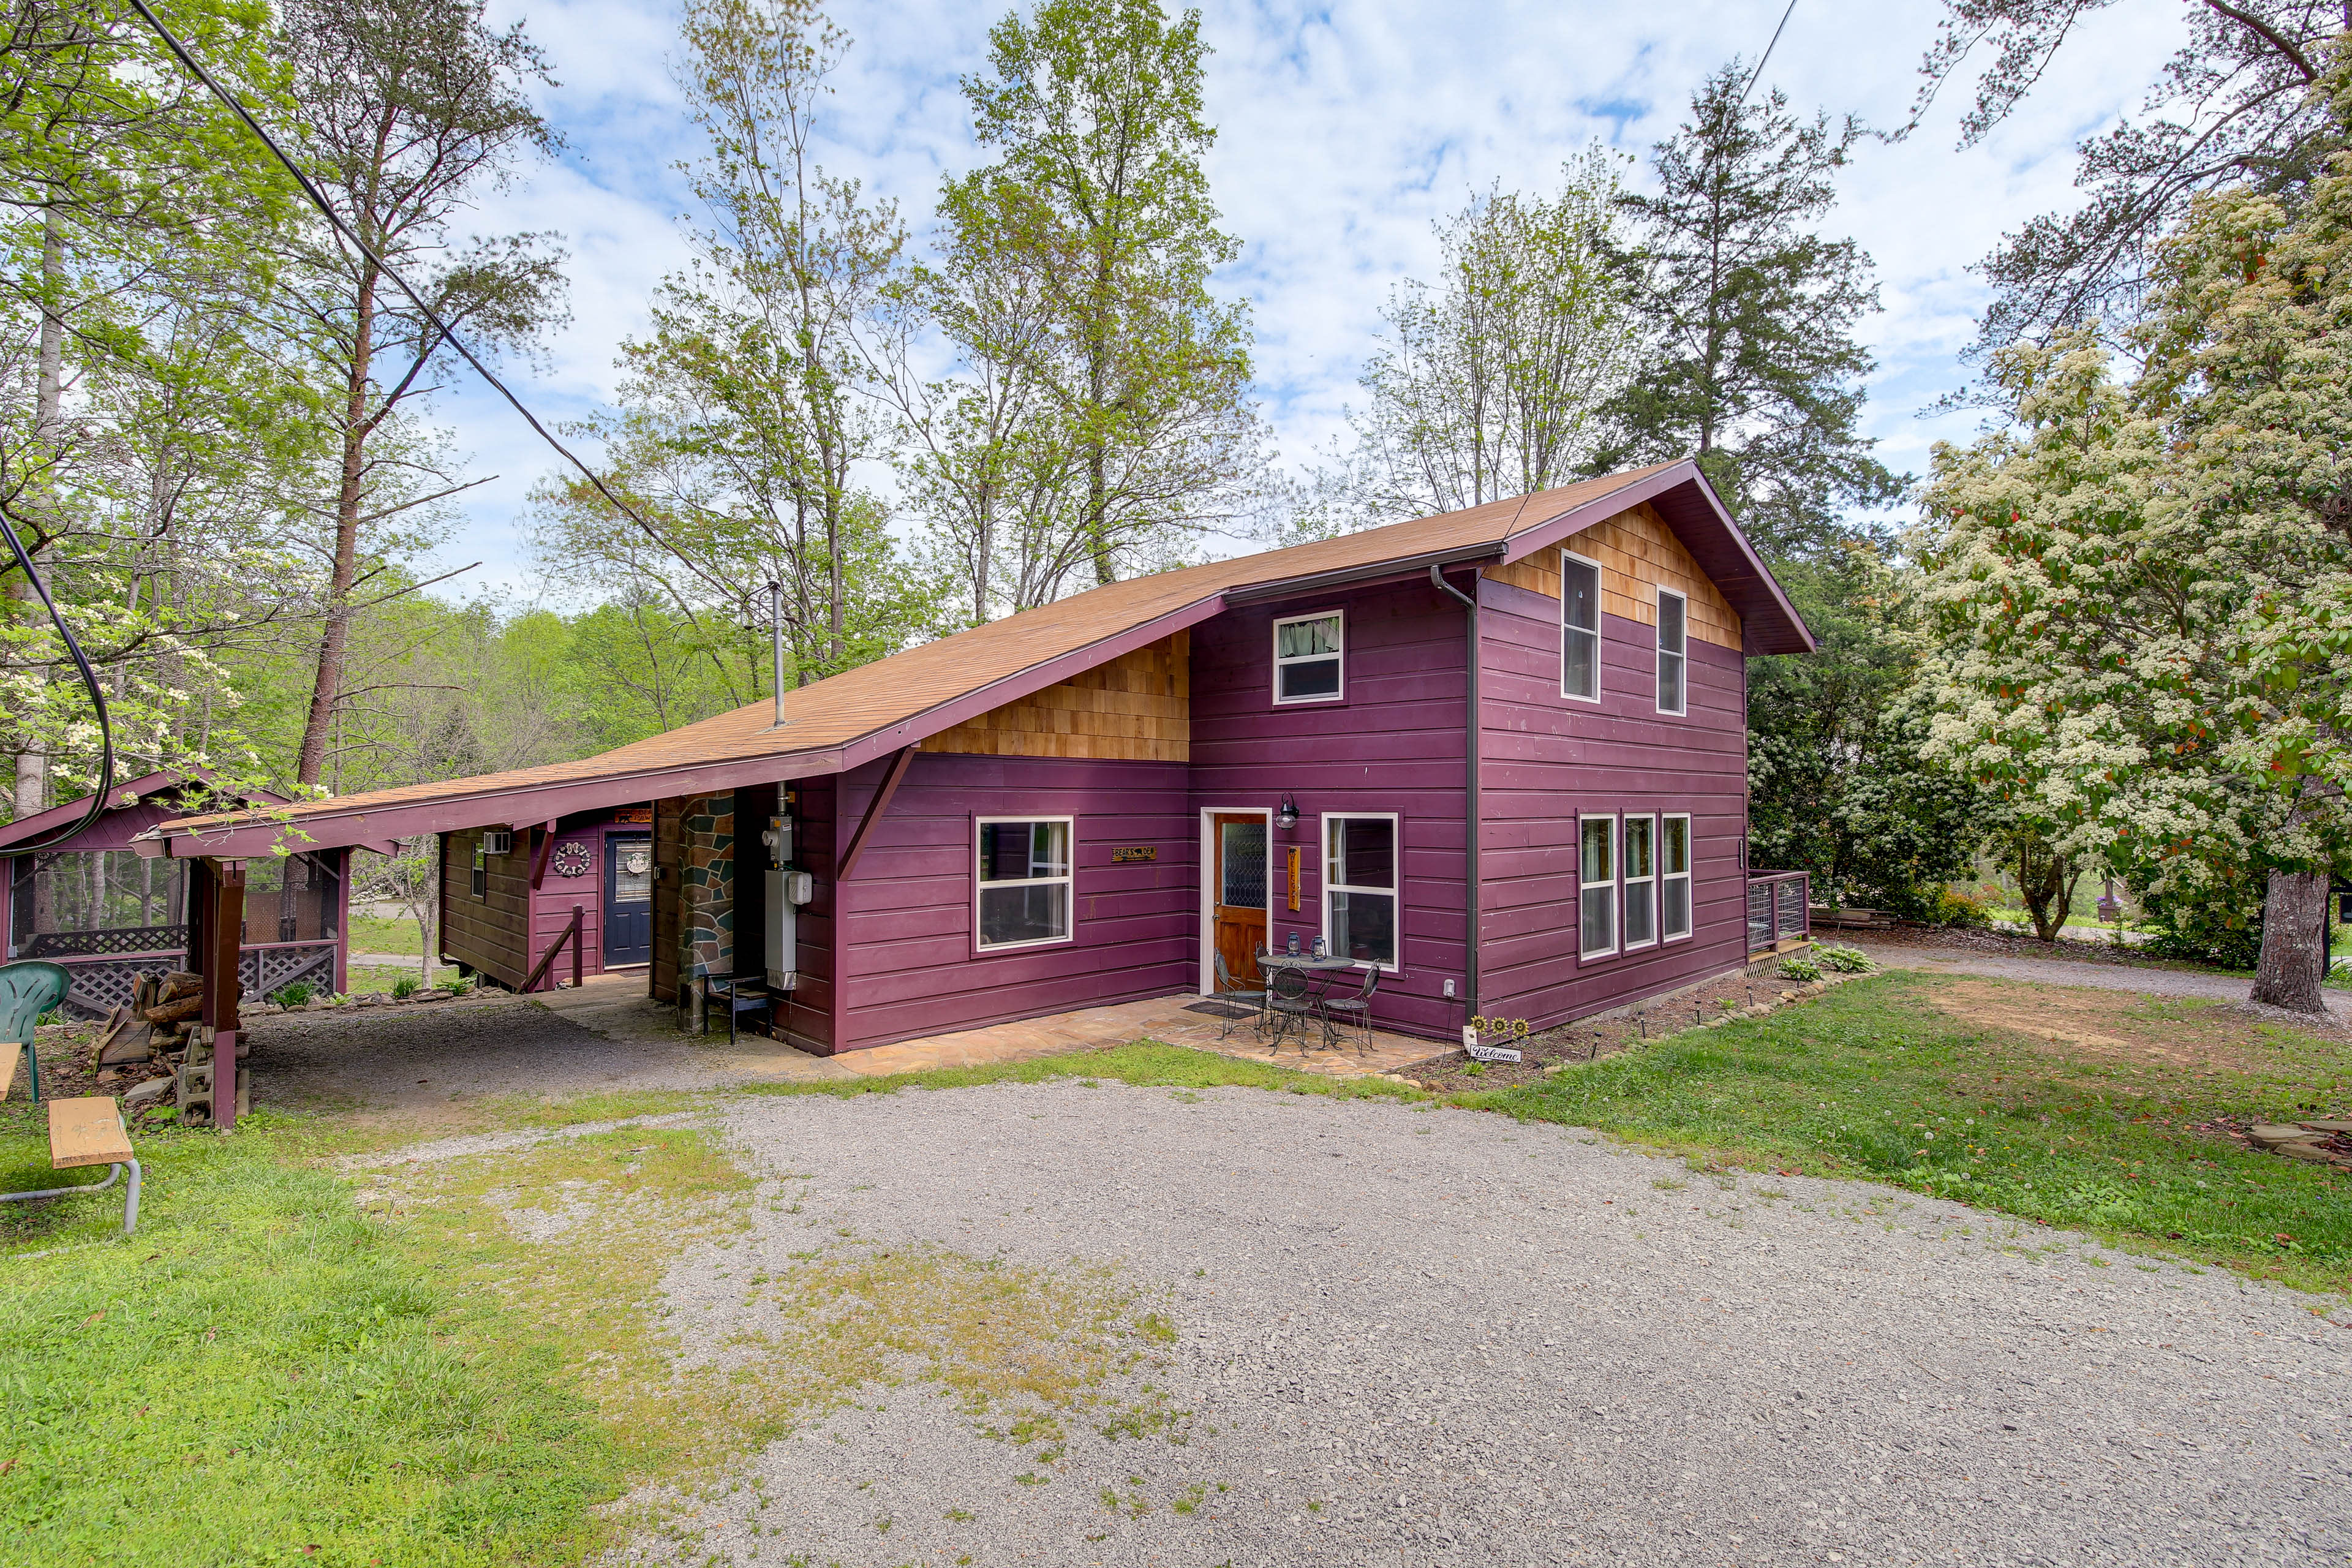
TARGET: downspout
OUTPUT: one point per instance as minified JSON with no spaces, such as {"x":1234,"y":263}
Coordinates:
{"x":1470,"y":883}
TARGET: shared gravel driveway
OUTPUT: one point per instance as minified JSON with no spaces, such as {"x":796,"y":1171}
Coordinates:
{"x":1438,"y":1337}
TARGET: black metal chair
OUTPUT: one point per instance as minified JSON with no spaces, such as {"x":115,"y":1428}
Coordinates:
{"x":1347,"y":1013}
{"x":1229,"y":992}
{"x":739,"y":993}
{"x":1289,"y":1005}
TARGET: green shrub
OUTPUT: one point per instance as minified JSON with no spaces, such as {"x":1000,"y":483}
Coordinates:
{"x":2219,"y":924}
{"x":1965,"y":911}
{"x":1846,"y":960}
{"x":407,"y":985}
{"x":1800,"y":969}
{"x":294,"y":995}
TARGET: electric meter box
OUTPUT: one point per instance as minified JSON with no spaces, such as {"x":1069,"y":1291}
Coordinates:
{"x":787,"y":889}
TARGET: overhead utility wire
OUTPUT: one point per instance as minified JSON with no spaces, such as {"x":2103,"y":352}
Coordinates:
{"x":97,"y":699}
{"x":447,"y":332}
{"x":1752,"y":76}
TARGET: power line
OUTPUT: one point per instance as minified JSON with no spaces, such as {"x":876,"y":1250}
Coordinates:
{"x":1752,"y":76}
{"x":440,"y":327}
{"x":96,"y":699}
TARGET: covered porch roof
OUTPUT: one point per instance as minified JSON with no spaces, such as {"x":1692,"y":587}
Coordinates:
{"x":871,"y":711}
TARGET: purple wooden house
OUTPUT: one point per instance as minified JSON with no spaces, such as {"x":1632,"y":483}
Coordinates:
{"x":1499,"y":754}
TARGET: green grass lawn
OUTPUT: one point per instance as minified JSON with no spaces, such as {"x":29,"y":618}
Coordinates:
{"x":376,"y":933}
{"x":2071,"y":1107}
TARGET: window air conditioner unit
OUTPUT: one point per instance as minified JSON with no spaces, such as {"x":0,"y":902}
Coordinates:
{"x":498,"y":841}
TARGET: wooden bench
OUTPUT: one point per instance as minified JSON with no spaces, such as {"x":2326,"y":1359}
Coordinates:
{"x":84,"y":1131}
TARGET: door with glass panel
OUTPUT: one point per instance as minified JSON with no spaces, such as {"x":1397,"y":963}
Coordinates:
{"x":628,"y":898}
{"x":1237,"y":878}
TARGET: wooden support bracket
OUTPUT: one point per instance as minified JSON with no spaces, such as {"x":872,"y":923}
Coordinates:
{"x":874,"y":809}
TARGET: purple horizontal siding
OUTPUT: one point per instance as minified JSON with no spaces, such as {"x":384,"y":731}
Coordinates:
{"x":811,"y":1011}
{"x":908,"y":962}
{"x":1548,"y":758}
{"x":1396,"y":744}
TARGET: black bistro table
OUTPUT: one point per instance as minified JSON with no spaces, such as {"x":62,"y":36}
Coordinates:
{"x":1306,"y":964}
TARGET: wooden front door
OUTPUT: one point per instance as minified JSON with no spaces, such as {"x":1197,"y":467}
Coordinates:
{"x":628,"y":898}
{"x":1237,"y":894}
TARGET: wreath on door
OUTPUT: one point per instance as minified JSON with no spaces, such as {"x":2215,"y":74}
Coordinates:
{"x":572,"y":859}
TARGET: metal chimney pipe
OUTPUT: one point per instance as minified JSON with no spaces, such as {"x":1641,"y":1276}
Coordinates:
{"x":776,"y":636}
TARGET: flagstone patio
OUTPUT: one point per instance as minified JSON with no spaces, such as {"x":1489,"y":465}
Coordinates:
{"x":1170,"y":1019}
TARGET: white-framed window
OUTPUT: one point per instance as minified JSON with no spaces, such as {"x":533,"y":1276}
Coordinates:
{"x":1361,"y":883}
{"x":1309,"y":658}
{"x":1640,"y":867}
{"x":1675,"y":877}
{"x":1022,"y":875}
{"x":1673,"y":634}
{"x":1579,"y":627}
{"x":1596,"y":877}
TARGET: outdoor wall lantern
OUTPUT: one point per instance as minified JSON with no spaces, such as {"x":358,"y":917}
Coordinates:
{"x":1287,"y":817}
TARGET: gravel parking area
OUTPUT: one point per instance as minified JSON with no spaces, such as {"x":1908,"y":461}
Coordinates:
{"x":1926,"y":953}
{"x":1429,"y":1336}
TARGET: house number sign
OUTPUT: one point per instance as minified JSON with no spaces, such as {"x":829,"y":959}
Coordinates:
{"x":1132,"y":853}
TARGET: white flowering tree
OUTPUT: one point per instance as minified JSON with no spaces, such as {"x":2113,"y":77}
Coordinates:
{"x":2142,"y":593}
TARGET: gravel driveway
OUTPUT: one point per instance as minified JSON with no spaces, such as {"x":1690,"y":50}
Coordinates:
{"x":2146,"y":979}
{"x":1438,"y":1337}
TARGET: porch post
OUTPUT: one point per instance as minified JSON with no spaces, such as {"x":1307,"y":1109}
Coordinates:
{"x":224,"y":932}
{"x":342,"y":861}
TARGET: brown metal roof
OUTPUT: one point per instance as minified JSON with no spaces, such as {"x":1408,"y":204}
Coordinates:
{"x":843,"y":722}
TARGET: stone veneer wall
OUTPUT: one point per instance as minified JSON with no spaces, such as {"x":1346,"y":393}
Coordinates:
{"x":706,"y":912}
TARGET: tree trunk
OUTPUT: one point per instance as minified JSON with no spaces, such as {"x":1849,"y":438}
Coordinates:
{"x":30,"y":787}
{"x":2046,"y":882}
{"x":334,"y":637}
{"x":2294,"y":943}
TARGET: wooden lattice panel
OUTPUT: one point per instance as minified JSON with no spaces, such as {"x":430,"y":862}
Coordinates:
{"x":1639,"y":554}
{"x":1136,"y":708}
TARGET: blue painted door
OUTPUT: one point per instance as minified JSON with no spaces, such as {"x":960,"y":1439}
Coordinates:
{"x":628,"y":898}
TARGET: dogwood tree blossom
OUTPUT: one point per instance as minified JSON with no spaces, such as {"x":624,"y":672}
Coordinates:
{"x":2142,"y":593}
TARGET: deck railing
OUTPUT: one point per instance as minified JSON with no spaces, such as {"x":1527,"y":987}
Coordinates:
{"x":101,"y":982}
{"x":1776,"y":908}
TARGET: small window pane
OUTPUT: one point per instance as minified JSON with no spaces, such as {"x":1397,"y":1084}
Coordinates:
{"x":1363,"y":927}
{"x":1579,"y":595}
{"x":633,"y":869}
{"x":1303,"y":638}
{"x":1599,"y":904}
{"x":1362,"y":852}
{"x":1037,"y":914}
{"x":1597,"y":863}
{"x":1242,"y":857}
{"x":1677,"y":902}
{"x":1670,"y":621}
{"x":1670,"y":683}
{"x":1017,"y":851}
{"x":1637,"y":848}
{"x":1676,"y":856}
{"x":1638,"y":929}
{"x":1312,"y":677}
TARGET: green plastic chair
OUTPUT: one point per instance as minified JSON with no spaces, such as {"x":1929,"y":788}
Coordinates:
{"x":27,"y":991}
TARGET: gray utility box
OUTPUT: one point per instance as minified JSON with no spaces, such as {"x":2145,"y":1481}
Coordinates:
{"x":788,"y":887}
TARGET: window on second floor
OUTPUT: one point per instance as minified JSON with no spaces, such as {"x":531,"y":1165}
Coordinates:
{"x":1580,"y":628}
{"x":1309,"y":654}
{"x":1674,"y":628}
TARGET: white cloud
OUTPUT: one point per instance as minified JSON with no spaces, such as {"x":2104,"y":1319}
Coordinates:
{"x":1344,"y":131}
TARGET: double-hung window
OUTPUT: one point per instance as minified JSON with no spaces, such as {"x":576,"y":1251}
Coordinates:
{"x":1675,"y":877}
{"x":1596,"y":876}
{"x":1674,"y":630}
{"x":1360,"y":887}
{"x":1309,"y":654}
{"x":1641,"y":878}
{"x":1580,"y":628}
{"x":1024,"y":876}
{"x":481,"y":878}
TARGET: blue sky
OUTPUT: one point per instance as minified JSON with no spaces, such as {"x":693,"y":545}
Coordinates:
{"x":1345,"y":130}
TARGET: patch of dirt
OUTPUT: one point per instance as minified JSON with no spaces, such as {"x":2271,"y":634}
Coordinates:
{"x":1588,"y":1040}
{"x":2105,"y":1025}
{"x":70,"y":1067}
{"x":2009,"y":944}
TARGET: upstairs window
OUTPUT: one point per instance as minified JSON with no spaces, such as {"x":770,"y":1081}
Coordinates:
{"x":1308,"y":654}
{"x":1673,"y":618}
{"x":1675,"y":877}
{"x":1596,"y":876}
{"x":1360,"y":887}
{"x":1025,"y":881}
{"x":1580,"y":628}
